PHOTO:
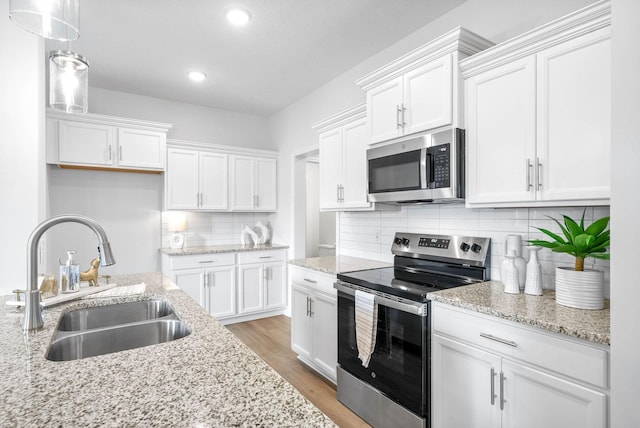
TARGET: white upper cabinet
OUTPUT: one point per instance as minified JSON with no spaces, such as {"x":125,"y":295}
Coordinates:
{"x":343,"y":141}
{"x":104,"y":142}
{"x":196,"y":180}
{"x":538,"y":111}
{"x":253,"y":183}
{"x":419,"y":91}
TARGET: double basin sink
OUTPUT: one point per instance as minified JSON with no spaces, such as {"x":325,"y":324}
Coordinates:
{"x":106,"y":329}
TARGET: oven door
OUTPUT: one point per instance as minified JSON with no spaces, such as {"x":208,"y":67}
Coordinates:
{"x":399,"y":366}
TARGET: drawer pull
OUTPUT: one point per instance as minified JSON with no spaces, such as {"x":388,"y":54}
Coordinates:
{"x":207,"y":261}
{"x":493,"y":386}
{"x":502,"y":400}
{"x":497,"y":339}
{"x":265,"y":257}
{"x":310,"y":280}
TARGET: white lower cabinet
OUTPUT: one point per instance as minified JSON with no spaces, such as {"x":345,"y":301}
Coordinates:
{"x":314,"y":323}
{"x":492,"y":373}
{"x":228,"y":288}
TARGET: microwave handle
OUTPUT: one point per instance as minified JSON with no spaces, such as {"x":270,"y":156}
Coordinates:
{"x":430,"y":169}
{"x":424,"y":168}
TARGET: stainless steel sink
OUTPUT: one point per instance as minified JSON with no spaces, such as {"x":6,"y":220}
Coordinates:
{"x":110,"y":315}
{"x":113,"y":328}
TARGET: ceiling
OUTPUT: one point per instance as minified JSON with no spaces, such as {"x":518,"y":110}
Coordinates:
{"x":290,"y":47}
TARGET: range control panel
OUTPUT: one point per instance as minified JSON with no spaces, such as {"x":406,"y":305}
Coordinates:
{"x":468,"y":250}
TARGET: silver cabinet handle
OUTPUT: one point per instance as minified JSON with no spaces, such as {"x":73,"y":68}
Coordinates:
{"x":341,"y":193}
{"x":109,"y":152}
{"x":307,"y":305}
{"x":256,"y":202}
{"x":403,"y":121}
{"x":497,"y":339}
{"x":528,"y":166}
{"x":119,"y":152}
{"x":206,"y":261}
{"x":398,"y":111}
{"x":310,"y":280}
{"x":337,"y":193}
{"x":265,"y":257}
{"x":538,"y":173}
{"x":502,"y":400}
{"x":493,"y":386}
{"x":310,"y":307}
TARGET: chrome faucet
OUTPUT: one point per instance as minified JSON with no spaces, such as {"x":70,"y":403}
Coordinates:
{"x":32,"y":308}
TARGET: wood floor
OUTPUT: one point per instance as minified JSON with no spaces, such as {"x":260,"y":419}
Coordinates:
{"x":270,"y":338}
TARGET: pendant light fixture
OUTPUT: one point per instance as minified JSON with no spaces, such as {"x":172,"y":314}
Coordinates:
{"x":68,"y":81}
{"x":51,"y":19}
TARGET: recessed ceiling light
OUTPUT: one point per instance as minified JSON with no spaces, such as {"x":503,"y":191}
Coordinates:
{"x":197,"y":76}
{"x":238,"y":16}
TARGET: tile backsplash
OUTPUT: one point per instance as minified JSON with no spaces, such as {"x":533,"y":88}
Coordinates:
{"x":369,"y":234}
{"x":206,"y":229}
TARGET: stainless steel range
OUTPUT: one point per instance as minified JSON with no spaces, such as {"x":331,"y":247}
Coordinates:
{"x":392,"y":390}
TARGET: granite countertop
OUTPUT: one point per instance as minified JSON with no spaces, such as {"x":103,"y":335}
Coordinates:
{"x":207,"y":379}
{"x":537,"y":311}
{"x":338,"y":264}
{"x":231,"y":248}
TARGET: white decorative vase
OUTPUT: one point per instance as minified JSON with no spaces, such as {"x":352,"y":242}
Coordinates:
{"x":582,"y":290}
{"x":533,"y":284}
{"x":510,"y":280}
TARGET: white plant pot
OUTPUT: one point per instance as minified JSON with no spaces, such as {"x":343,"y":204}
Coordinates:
{"x":582,"y":290}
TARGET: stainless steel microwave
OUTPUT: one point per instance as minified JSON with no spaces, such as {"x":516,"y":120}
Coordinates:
{"x":423,"y":168}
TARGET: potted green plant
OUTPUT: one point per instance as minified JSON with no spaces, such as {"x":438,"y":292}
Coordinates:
{"x":577,"y":287}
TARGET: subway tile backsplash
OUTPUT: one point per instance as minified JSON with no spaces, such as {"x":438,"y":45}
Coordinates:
{"x":369,"y":234}
{"x":207,"y":229}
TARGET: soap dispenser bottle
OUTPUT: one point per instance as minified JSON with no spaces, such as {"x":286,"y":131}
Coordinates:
{"x":69,"y":275}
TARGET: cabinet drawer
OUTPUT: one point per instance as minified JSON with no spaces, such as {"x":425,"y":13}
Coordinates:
{"x":261,"y":256}
{"x":550,"y":351}
{"x":202,"y":261}
{"x":313,"y":279}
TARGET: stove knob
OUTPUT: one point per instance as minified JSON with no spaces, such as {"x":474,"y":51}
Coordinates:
{"x":397,"y":241}
{"x":464,"y":247}
{"x":405,"y":242}
{"x":476,"y":248}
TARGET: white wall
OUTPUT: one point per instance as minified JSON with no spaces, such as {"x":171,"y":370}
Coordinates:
{"x":190,"y":122}
{"x":22,"y":177}
{"x":496,"y":20}
{"x":312,"y":209}
{"x":625,"y":206}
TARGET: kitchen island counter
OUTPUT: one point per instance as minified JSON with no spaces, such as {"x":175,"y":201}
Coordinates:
{"x":215,"y":249}
{"x":206,"y":379}
{"x":538,"y":311}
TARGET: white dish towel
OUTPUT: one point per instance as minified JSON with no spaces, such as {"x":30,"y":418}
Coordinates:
{"x":366,"y":325}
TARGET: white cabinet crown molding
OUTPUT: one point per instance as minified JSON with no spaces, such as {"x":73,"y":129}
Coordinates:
{"x":582,"y":21}
{"x":339,"y":119}
{"x":457,"y":40}
{"x":116,"y":121}
{"x":220,"y":148}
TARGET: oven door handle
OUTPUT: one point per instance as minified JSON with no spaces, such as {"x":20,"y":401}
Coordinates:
{"x":415,"y":308}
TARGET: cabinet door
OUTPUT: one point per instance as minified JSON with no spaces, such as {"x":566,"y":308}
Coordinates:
{"x":86,"y":144}
{"x":213,"y":178}
{"x":242,"y":183}
{"x":428,"y":96}
{"x":141,"y":149}
{"x":265,"y":185}
{"x":191,"y":281}
{"x":325,"y":332}
{"x":221,"y":291}
{"x":574,"y":118}
{"x":384,"y":108}
{"x":250,"y":288}
{"x":354,"y":169}
{"x":501,"y":124}
{"x":465,"y":390}
{"x":330,"y":173}
{"x":275,"y":284}
{"x":182,"y":179}
{"x":301,"y":322}
{"x":537,"y":399}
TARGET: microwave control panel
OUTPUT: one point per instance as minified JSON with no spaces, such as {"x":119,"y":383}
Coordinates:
{"x":440,"y":176}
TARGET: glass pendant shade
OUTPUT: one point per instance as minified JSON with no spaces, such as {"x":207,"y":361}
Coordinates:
{"x":52,"y":19}
{"x":68,"y":81}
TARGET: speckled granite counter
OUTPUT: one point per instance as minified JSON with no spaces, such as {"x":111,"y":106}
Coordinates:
{"x":231,"y":248}
{"x":207,"y":379}
{"x":538,"y":311}
{"x":338,"y":264}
